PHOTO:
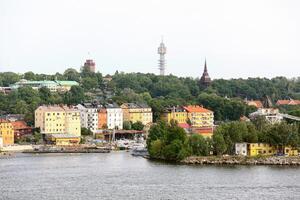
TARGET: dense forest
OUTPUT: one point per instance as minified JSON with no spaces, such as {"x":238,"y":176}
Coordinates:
{"x":224,"y":97}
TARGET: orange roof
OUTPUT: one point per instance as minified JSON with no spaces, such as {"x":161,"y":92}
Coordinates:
{"x":184,"y":125}
{"x":19,"y":125}
{"x":256,"y":103}
{"x":288,"y":102}
{"x":196,"y":108}
{"x":203,"y":130}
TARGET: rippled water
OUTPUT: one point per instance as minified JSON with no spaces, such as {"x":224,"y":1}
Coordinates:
{"x":120,"y":176}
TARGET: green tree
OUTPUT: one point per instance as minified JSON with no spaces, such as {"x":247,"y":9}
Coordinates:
{"x":85,"y":131}
{"x":219,"y":144}
{"x":74,"y":96}
{"x":45,"y":94}
{"x":127,"y":125}
{"x":198,"y":145}
{"x":137,"y":126}
{"x":155,"y":151}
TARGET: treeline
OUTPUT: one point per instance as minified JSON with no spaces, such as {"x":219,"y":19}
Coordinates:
{"x":188,"y":88}
{"x":170,"y":142}
{"x":224,"y":97}
{"x":25,"y":100}
{"x":171,"y":86}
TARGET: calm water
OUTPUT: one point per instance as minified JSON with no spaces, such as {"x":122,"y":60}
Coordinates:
{"x":121,"y":176}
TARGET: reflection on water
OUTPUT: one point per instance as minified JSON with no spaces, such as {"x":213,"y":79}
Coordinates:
{"x":118,"y":175}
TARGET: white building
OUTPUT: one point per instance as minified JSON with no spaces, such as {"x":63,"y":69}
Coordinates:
{"x":272,"y":115}
{"x":241,"y":149}
{"x":88,"y":116}
{"x":114,"y":116}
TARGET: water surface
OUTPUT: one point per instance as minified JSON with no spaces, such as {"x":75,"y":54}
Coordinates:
{"x":118,"y":175}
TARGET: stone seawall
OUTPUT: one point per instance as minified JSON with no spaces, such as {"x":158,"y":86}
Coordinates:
{"x":236,"y":160}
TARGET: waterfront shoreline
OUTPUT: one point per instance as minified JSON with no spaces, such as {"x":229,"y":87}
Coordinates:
{"x":239,"y":160}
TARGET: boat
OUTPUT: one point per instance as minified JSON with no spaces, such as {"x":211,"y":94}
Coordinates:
{"x":139,"y":151}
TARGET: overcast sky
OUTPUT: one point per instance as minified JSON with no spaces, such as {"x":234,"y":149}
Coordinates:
{"x":239,"y":38}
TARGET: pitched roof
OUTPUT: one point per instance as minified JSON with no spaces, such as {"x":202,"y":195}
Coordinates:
{"x":184,"y":125}
{"x":203,"y":130}
{"x":19,"y":125}
{"x":256,"y":103}
{"x":288,"y":102}
{"x":196,"y":108}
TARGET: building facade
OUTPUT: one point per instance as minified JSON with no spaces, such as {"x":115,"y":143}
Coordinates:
{"x":137,"y":112}
{"x":272,"y":115}
{"x":89,"y":116}
{"x":193,"y":115}
{"x":241,"y":149}
{"x":58,"y":120}
{"x":114,"y":116}
{"x":102,"y":118}
{"x":199,"y":116}
{"x":6,"y":132}
{"x":177,"y":114}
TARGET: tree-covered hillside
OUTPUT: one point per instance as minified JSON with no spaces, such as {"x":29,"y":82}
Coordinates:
{"x":224,"y":97}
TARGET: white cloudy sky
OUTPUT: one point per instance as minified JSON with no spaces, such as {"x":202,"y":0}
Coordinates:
{"x":239,"y":38}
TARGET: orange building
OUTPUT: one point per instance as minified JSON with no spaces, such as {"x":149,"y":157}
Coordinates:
{"x":102,"y":118}
{"x":20,"y":129}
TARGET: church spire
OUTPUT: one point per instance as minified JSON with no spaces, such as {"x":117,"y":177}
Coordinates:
{"x":205,"y":79}
{"x":205,"y":67}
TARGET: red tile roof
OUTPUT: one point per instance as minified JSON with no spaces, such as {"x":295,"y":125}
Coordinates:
{"x":19,"y":125}
{"x":196,"y":109}
{"x":184,"y":125}
{"x":256,"y":103}
{"x":288,"y":102}
{"x":203,"y":130}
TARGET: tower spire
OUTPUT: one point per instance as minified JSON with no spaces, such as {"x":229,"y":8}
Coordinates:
{"x":205,"y":67}
{"x":162,"y":50}
{"x":205,"y":79}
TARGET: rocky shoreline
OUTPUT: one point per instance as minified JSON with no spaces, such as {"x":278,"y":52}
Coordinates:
{"x":237,"y":160}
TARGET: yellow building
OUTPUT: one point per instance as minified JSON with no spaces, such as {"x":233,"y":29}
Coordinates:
{"x":199,"y":116}
{"x":64,"y":139}
{"x":196,"y":116}
{"x":289,"y":151}
{"x":57,"y":120}
{"x":255,"y":149}
{"x":137,"y":112}
{"x":177,"y":114}
{"x":6,"y":132}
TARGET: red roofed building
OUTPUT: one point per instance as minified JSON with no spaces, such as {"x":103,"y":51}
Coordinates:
{"x":199,"y":116}
{"x":288,"y":102}
{"x":204,"y":131}
{"x":256,"y":103}
{"x":20,"y":129}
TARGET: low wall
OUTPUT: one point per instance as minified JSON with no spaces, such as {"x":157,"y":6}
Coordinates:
{"x":17,"y":148}
{"x":235,"y":160}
